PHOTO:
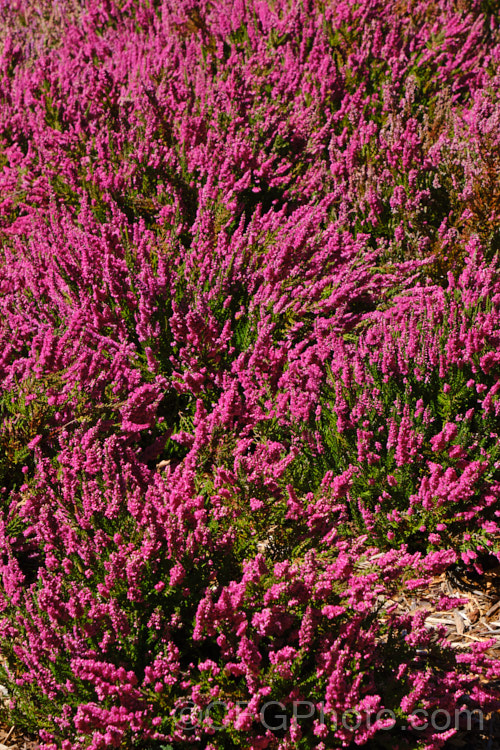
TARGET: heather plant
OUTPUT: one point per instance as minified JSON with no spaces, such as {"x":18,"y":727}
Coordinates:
{"x":248,"y":365}
{"x":146,"y":592}
{"x":412,"y":421}
{"x":122,"y":562}
{"x":311,"y":631}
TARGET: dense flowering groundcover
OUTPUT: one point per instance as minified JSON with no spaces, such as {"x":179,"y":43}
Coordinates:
{"x":250,"y":329}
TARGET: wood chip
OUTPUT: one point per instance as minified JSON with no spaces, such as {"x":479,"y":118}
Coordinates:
{"x":473,"y":611}
{"x":439,"y":620}
{"x":9,"y":733}
{"x":474,"y":638}
{"x":493,"y":609}
{"x":459,"y":623}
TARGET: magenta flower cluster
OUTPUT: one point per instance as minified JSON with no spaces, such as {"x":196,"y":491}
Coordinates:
{"x":249,"y":359}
